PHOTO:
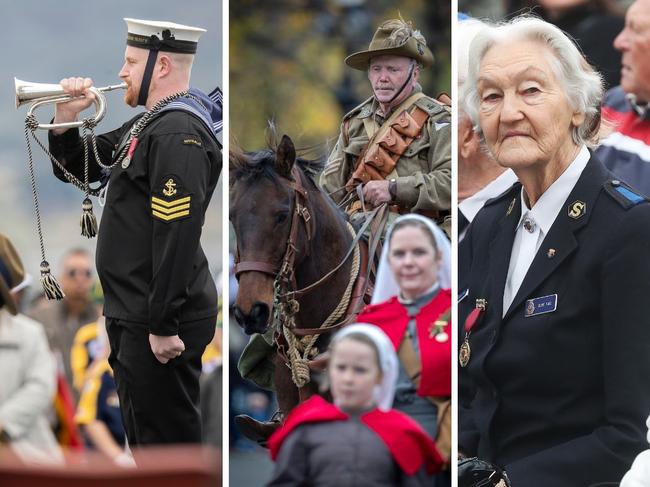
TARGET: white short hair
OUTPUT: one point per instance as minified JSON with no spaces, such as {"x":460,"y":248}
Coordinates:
{"x":583,"y":86}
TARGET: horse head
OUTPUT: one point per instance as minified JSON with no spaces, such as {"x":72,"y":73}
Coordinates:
{"x":263,"y":198}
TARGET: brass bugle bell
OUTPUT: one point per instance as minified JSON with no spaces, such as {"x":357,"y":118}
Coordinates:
{"x":45,"y":93}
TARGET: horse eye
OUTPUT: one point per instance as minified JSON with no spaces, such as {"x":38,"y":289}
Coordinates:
{"x":281,"y":217}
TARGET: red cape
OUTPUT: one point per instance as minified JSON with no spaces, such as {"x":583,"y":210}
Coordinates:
{"x":435,"y":356}
{"x":410,"y":446}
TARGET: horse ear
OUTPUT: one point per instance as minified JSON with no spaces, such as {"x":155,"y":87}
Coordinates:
{"x":285,"y":156}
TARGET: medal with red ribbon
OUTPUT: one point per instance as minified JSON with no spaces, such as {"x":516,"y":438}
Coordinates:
{"x":129,"y":155}
{"x":474,"y":317}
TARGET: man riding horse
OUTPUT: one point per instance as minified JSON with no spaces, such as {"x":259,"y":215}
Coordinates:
{"x":394,"y":148}
{"x":396,"y":145}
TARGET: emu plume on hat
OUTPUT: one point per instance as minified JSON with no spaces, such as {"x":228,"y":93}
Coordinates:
{"x":393,"y":37}
{"x":11,"y":272}
{"x":162,"y":36}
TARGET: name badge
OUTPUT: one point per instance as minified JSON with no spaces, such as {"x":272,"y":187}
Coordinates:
{"x":463,"y":295}
{"x":540,"y":306}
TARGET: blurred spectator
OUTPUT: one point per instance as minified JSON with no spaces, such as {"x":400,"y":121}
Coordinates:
{"x":412,"y":305}
{"x":480,"y":178}
{"x":89,"y":344}
{"x":359,"y":436}
{"x":211,"y":382}
{"x":626,"y":151}
{"x":98,"y":413}
{"x":28,"y":372}
{"x":62,"y":319}
{"x":20,"y":291}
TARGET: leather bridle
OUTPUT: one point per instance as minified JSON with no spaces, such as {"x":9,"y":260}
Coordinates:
{"x":300,"y":211}
{"x":284,"y":273}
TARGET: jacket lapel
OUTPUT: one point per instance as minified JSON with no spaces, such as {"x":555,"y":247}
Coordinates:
{"x":500,"y":250}
{"x":561,"y":237}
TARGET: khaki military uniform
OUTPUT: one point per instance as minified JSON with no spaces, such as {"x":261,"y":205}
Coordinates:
{"x":423,"y":172}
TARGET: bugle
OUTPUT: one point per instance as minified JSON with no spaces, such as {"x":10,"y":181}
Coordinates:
{"x":39,"y":94}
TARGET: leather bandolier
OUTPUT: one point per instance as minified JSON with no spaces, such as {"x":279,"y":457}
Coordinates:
{"x":386,"y":144}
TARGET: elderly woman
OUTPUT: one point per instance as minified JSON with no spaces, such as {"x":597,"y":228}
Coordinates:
{"x":555,"y":339}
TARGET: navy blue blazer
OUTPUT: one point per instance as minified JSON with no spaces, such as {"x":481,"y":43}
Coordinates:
{"x":560,"y":397}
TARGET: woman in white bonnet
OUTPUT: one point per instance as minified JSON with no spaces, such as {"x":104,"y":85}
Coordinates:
{"x":412,"y":305}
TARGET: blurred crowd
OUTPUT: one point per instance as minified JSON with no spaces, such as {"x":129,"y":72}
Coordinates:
{"x":62,"y":381}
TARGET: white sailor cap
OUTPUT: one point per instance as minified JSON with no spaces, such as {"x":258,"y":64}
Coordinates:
{"x":162,"y":36}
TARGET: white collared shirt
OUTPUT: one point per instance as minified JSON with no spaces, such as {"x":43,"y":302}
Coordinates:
{"x":472,"y":205}
{"x":535,"y":223}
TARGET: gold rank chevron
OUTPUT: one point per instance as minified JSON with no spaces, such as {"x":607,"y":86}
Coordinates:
{"x":170,"y":210}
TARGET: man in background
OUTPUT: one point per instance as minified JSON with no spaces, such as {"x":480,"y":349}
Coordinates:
{"x":626,"y":152}
{"x":62,"y":319}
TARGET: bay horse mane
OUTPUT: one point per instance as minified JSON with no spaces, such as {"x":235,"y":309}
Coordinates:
{"x":253,"y":165}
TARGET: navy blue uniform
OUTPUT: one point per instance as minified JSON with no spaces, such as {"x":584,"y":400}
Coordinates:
{"x":153,"y":271}
{"x":556,"y":392}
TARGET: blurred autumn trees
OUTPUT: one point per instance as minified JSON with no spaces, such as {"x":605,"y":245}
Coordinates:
{"x":286,"y":63}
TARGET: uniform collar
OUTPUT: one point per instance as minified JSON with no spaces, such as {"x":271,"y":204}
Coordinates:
{"x":548,"y":206}
{"x":470,"y":206}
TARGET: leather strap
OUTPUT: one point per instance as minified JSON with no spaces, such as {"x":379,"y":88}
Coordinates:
{"x":378,"y":168}
{"x":252,"y":265}
{"x":300,"y":210}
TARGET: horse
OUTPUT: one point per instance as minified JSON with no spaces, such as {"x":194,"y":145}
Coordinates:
{"x":297,"y":261}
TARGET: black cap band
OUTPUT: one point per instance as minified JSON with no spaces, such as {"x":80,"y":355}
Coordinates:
{"x":146,"y":77}
{"x":168,"y":43}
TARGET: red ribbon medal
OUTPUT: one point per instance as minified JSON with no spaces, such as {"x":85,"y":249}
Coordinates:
{"x":127,"y":160}
{"x":474,"y":317}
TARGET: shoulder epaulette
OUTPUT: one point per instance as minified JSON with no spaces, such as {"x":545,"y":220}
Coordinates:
{"x":508,"y":193}
{"x":432,"y":106}
{"x":623,"y":194}
{"x":359,"y":108}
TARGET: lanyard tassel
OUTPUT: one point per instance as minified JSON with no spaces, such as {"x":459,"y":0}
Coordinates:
{"x":88,"y":220}
{"x":50,"y":285}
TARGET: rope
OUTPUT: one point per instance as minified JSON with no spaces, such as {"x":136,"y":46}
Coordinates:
{"x":50,"y":285}
{"x":88,"y":220}
{"x":301,"y":350}
{"x":32,"y":178}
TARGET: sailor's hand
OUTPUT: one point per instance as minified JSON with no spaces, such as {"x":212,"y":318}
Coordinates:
{"x":376,"y":192}
{"x":166,"y":348}
{"x":69,"y":111}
